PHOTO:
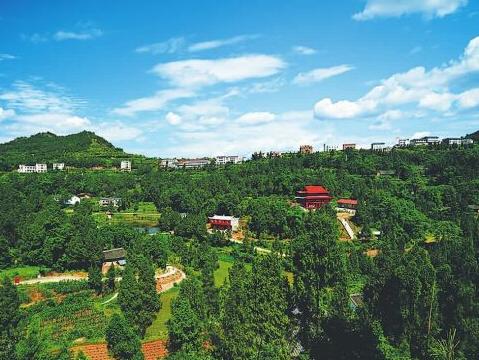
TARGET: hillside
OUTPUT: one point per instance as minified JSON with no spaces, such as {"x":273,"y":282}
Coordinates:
{"x":82,"y":149}
{"x":474,"y":136}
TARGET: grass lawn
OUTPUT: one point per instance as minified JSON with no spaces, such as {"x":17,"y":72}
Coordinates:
{"x":158,"y":329}
{"x":25,"y":272}
{"x":145,"y":214}
{"x":222,"y":272}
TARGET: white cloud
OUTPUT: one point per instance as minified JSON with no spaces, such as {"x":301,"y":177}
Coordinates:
{"x":7,"y":57}
{"x":420,"y":134}
{"x":304,"y":50}
{"x":469,"y":99}
{"x":256,"y":117}
{"x":6,"y":113}
{"x":173,"y":119}
{"x":288,"y":131}
{"x":25,"y":97}
{"x":195,"y":73}
{"x":117,"y":131}
{"x":56,"y":121}
{"x":169,"y":46}
{"x":213,"y":44}
{"x":396,"y":8}
{"x":416,"y":87}
{"x":153,"y":103}
{"x":321,"y":74}
{"x":86,"y":34}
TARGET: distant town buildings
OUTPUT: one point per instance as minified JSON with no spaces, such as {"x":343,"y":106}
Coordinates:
{"x":223,"y":160}
{"x":110,"y":201}
{"x":125,"y":165}
{"x":313,"y":196}
{"x":193,"y":163}
{"x":426,"y":140}
{"x":378,"y":146}
{"x":306,"y":149}
{"x":169,"y":163}
{"x":223,"y":222}
{"x":349,"y":146}
{"x":327,"y":147}
{"x":403,"y":142}
{"x":58,"y":166}
{"x":458,"y":141}
{"x":37,"y":168}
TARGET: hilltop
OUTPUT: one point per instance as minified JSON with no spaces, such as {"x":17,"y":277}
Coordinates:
{"x":82,"y":149}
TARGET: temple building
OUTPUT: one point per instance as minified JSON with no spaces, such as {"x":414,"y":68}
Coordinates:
{"x":313,"y":196}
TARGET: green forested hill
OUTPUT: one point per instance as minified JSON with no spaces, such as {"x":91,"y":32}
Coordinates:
{"x":82,"y":149}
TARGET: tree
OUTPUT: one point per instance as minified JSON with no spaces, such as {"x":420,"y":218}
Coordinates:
{"x":9,"y":318}
{"x":5,"y":257}
{"x":110,"y":279}
{"x":149,"y":297}
{"x":254,"y":318}
{"x":320,"y":278}
{"x":137,"y":297}
{"x":122,"y":340}
{"x":184,"y":328}
{"x":95,"y":279}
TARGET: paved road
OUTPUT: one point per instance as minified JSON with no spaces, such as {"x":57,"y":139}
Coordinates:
{"x":257,"y":248}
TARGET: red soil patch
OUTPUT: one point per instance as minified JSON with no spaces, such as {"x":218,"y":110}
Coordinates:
{"x":161,"y":282}
{"x":152,"y":350}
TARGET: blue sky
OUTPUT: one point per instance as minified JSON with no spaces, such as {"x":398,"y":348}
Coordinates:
{"x":194,"y":78}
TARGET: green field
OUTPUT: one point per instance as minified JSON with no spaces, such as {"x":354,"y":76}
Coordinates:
{"x":144,"y":214}
{"x":158,"y":329}
{"x":25,"y":272}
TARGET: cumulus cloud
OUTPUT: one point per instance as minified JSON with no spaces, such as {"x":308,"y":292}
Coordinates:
{"x":213,"y":44}
{"x":116,"y":131}
{"x":397,"y":8}
{"x":416,"y":87}
{"x":169,"y":46}
{"x":152,"y":103}
{"x":173,"y":119}
{"x":197,"y":73}
{"x":288,"y":131}
{"x":256,"y":117}
{"x":321,"y":74}
{"x":469,"y":99}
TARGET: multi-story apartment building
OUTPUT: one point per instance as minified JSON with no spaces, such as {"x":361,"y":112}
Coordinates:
{"x":223,"y":160}
{"x":37,"y":168}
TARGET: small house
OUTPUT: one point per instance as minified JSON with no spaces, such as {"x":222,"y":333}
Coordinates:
{"x":110,"y":201}
{"x":114,"y":257}
{"x":349,"y":204}
{"x":223,"y":222}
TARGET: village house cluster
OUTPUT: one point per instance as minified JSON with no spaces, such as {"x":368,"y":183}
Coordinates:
{"x":174,"y":163}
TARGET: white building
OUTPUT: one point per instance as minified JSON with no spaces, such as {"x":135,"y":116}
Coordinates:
{"x":169,"y":163}
{"x":58,"y":166}
{"x":115,"y":202}
{"x":403,"y":142}
{"x":223,"y":160}
{"x":378,"y":146}
{"x":73,"y":200}
{"x":426,"y":140}
{"x":459,"y":141}
{"x":125,"y":165}
{"x":193,"y":163}
{"x":37,"y":168}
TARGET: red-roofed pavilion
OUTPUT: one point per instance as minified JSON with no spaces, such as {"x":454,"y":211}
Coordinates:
{"x":313,"y":196}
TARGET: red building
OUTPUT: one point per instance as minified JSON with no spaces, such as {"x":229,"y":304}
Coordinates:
{"x":348,"y":203}
{"x":313,"y":196}
{"x":222,"y":222}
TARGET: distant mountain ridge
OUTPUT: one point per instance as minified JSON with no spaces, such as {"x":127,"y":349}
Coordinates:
{"x":81,"y":149}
